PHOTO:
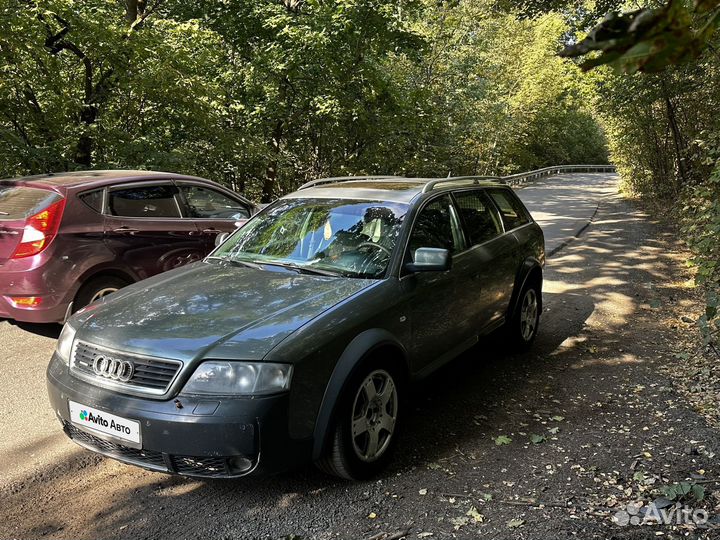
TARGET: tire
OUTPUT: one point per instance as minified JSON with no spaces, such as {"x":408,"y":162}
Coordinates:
{"x":364,"y":431}
{"x":97,"y":288}
{"x":523,"y":326}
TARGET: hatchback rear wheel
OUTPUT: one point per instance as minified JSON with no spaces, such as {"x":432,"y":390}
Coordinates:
{"x":96,"y":289}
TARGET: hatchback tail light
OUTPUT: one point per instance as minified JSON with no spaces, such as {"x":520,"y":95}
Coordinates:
{"x":39,"y":230}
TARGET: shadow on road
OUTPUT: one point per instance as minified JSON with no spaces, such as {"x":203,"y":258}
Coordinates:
{"x":50,"y":330}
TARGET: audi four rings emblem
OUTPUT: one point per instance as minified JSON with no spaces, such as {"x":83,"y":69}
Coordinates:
{"x":112,"y":368}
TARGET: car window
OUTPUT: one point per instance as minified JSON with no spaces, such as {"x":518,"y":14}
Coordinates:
{"x":512,"y":211}
{"x":144,"y":201}
{"x":93,"y":199}
{"x":436,"y":226}
{"x":206,"y":203}
{"x":479,"y":216}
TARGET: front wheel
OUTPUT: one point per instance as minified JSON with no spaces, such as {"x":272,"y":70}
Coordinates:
{"x":523,"y":326}
{"x":365,"y":426}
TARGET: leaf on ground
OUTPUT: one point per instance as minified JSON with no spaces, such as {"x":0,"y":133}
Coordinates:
{"x":537,"y":439}
{"x":423,"y":491}
{"x":502,"y":439}
{"x":459,"y":521}
{"x":372,"y":515}
{"x":477,"y":516}
{"x":554,"y":430}
{"x":557,"y":418}
{"x":515,"y":523}
{"x":487,"y":497}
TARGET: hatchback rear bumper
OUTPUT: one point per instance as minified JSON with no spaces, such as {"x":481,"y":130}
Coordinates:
{"x":52,"y":309}
{"x":191,"y":436}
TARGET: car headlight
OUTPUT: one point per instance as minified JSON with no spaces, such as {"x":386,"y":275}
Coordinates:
{"x":239,"y":378}
{"x":65,"y":342}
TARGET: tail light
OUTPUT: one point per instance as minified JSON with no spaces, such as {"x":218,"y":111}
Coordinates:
{"x":39,"y":230}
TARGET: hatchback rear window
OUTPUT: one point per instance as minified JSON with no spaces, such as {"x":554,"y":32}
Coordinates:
{"x":20,"y":202}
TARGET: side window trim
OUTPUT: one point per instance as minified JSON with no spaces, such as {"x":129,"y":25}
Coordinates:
{"x":120,"y":187}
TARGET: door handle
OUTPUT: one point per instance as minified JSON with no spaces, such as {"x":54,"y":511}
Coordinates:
{"x":211,"y":231}
{"x":125,"y":230}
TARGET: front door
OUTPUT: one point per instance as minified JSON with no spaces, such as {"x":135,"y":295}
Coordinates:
{"x":437,"y":329}
{"x":213,"y":211}
{"x":145,"y":229}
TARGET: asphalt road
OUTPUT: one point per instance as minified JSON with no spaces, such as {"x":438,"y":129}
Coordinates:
{"x":447,"y":457}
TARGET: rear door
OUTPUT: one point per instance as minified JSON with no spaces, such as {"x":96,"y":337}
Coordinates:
{"x":213,"y":210}
{"x":145,"y":228}
{"x":489,"y":267}
{"x":17,"y":203}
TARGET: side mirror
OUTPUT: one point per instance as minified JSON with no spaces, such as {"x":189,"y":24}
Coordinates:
{"x":220,"y":238}
{"x":430,"y":260}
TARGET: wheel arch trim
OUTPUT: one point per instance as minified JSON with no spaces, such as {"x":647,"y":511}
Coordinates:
{"x":528,"y":266}
{"x":360,"y":348}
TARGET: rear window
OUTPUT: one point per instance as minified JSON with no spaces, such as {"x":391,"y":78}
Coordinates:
{"x":512,"y":211}
{"x":145,"y":201}
{"x":20,"y":202}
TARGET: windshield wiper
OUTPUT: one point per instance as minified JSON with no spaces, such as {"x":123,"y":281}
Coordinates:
{"x":237,"y":262}
{"x":302,"y":269}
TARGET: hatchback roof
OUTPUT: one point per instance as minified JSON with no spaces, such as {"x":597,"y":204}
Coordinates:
{"x":76,"y":178}
{"x":391,"y":188}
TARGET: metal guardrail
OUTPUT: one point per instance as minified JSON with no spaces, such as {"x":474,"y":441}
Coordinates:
{"x":512,"y":180}
{"x":524,"y":178}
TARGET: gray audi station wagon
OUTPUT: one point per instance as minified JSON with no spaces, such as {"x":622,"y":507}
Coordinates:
{"x":296,"y":339}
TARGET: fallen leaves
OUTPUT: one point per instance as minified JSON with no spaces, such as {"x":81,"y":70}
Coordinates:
{"x":502,"y":440}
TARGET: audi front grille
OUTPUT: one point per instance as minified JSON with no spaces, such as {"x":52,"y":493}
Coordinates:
{"x":150,"y":375}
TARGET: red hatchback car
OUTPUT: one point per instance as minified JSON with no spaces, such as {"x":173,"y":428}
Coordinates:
{"x":67,"y":239}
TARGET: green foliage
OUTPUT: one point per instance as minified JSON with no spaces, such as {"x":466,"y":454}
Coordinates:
{"x":649,"y":39}
{"x":684,"y":492}
{"x":263,"y":95}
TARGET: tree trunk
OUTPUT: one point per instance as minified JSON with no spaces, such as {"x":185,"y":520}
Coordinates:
{"x":678,"y":141}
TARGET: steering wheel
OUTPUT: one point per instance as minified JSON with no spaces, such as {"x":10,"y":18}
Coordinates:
{"x":376,"y":246}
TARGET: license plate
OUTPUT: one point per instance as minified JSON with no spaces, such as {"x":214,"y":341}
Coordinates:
{"x":95,"y":420}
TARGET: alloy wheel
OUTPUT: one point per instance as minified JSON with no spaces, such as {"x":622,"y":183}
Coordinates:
{"x":374,"y":415}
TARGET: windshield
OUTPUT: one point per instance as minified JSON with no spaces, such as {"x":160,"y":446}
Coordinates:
{"x":329,"y":236}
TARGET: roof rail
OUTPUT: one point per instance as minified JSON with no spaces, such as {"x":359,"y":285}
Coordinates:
{"x":336,"y":179}
{"x":470,"y":180}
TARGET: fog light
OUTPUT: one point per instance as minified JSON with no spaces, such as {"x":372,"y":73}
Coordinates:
{"x":239,"y":464}
{"x":25,"y":301}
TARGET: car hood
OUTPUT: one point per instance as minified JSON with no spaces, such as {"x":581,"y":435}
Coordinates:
{"x":212,"y":310}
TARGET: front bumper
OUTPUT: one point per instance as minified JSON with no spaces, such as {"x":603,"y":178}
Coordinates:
{"x":192,"y":436}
